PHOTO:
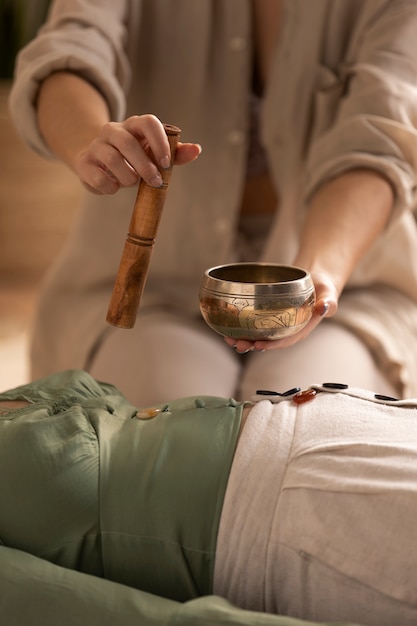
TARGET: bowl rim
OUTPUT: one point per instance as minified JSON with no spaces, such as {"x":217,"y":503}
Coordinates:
{"x":304,"y":274}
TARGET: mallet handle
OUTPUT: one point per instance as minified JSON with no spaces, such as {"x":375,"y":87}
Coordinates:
{"x":137,"y":252}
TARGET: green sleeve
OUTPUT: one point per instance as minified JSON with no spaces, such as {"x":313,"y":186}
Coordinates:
{"x":34,"y":592}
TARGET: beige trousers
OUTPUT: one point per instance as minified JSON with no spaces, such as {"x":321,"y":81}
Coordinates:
{"x":319,"y":519}
{"x":166,"y":356}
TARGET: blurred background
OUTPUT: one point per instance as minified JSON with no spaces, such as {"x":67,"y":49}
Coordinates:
{"x":38,"y":202}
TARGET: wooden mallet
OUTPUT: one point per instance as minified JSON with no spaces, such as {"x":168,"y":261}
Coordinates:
{"x":137,"y":252}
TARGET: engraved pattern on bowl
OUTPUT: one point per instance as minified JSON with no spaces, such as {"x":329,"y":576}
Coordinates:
{"x":256,"y":301}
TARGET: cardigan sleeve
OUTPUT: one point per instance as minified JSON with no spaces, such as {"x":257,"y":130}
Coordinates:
{"x":87,"y":37}
{"x":369,"y":113}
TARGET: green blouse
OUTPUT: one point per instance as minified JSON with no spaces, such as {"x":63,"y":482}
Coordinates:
{"x":90,"y":483}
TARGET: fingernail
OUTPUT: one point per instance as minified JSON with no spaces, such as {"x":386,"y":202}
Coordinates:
{"x":165,"y":162}
{"x":156,"y":181}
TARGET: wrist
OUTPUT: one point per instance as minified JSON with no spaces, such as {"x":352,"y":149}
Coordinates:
{"x":71,"y":113}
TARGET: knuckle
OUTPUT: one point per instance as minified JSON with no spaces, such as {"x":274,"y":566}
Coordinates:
{"x":99,"y":180}
{"x":141,"y":124}
{"x":150,"y":119}
{"x":112,"y":159}
{"x":109,"y":128}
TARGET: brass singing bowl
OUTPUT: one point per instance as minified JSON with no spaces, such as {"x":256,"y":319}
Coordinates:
{"x":256,"y":301}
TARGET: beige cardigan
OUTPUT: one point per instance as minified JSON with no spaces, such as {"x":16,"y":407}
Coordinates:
{"x":342,"y":94}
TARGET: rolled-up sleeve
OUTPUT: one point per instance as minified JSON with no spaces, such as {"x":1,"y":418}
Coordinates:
{"x":369,"y":115}
{"x":87,"y":37}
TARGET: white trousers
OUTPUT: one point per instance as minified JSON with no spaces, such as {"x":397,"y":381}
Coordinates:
{"x":319,"y":518}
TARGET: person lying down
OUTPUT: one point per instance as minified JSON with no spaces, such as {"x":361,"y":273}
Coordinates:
{"x":294,"y":508}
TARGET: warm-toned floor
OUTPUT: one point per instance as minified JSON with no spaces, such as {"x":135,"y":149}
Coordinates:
{"x":38,"y":201}
{"x":17,"y":299}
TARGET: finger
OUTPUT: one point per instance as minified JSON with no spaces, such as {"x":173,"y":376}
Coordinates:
{"x":115,"y":164}
{"x":187,"y":152}
{"x":131,"y":158}
{"x":325,"y":307}
{"x":102,"y":169}
{"x":96,"y":178}
{"x":241,"y":346}
{"x":286,"y":342}
{"x":326,"y":296}
{"x":151,"y":136}
{"x":137,"y":147}
{"x":150,"y":133}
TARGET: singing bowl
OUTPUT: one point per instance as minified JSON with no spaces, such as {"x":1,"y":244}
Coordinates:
{"x":256,"y":301}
